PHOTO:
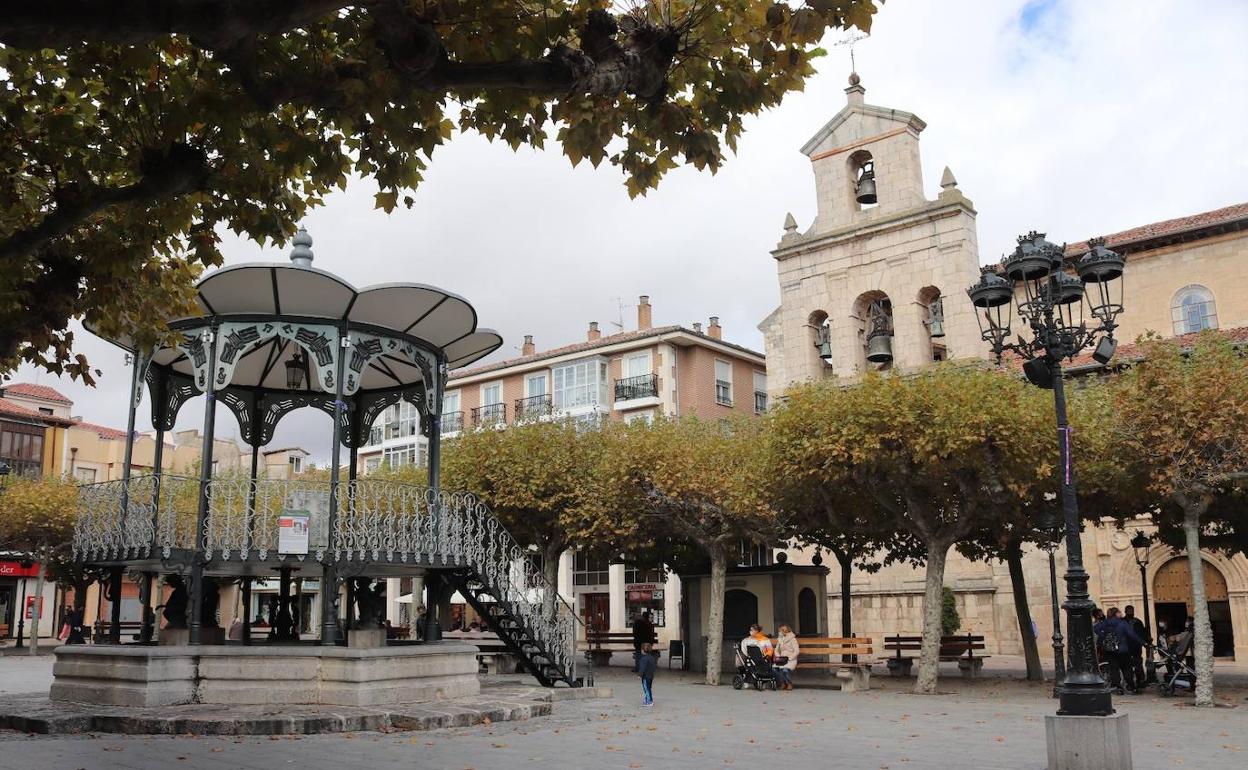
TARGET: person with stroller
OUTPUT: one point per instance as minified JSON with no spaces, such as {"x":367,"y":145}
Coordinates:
{"x":787,"y":650}
{"x":1115,"y":638}
{"x":757,"y":639}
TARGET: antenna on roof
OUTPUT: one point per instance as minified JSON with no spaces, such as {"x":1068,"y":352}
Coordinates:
{"x":619,"y":304}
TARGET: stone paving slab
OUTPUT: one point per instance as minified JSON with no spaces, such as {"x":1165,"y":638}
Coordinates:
{"x":504,"y":702}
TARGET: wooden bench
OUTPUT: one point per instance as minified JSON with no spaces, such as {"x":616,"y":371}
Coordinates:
{"x":129,"y":628}
{"x":493,"y":656}
{"x":601,"y":645}
{"x":824,"y":654}
{"x":958,"y":647}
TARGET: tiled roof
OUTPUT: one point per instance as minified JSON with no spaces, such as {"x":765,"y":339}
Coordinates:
{"x":12,"y":409}
{"x":1128,"y":352}
{"x":103,"y":431}
{"x":578,"y":347}
{"x":1169,"y":228}
{"x":31,"y":390}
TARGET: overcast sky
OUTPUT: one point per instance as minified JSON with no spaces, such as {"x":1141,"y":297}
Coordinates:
{"x":1075,"y":118}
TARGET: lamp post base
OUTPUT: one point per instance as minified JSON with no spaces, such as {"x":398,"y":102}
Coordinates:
{"x":1088,"y":743}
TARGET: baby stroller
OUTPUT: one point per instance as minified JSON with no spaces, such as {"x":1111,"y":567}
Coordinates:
{"x":754,"y":669}
{"x":1177,"y":675}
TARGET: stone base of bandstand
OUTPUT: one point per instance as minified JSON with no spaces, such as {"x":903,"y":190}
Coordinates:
{"x":1088,"y":743}
{"x":169,"y":675}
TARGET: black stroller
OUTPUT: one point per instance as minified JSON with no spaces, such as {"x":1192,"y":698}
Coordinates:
{"x":753,"y":669}
{"x":1178,"y":675}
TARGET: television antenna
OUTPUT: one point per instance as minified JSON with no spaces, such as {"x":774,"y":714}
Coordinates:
{"x":619,"y":306}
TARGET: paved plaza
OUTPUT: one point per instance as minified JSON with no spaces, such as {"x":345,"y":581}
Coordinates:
{"x":996,"y":722}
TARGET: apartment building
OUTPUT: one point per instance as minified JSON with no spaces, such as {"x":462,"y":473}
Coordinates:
{"x":634,"y":374}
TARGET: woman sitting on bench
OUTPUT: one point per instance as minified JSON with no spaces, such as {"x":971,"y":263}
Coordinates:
{"x":787,"y":650}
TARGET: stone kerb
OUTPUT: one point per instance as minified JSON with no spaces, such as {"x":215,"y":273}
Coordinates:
{"x":134,"y":675}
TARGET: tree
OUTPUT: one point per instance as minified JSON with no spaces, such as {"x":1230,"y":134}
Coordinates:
{"x":694,"y":481}
{"x":133,"y":130}
{"x":933,"y":450}
{"x":1184,"y":419}
{"x":37,"y":517}
{"x":950,"y":621}
{"x":534,"y":477}
{"x":817,"y":500}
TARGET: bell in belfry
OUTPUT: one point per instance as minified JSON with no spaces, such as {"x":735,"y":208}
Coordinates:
{"x":879,"y":333}
{"x":937,"y":320}
{"x":823,"y":341}
{"x":880,"y":349}
{"x":866,"y":185}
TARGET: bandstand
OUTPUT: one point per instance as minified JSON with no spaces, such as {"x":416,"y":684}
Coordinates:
{"x":273,"y":338}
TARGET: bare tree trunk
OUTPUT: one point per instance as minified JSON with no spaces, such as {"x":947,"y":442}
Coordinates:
{"x":1204,"y":632}
{"x":715,"y":619}
{"x":1018,"y":586}
{"x":550,"y":571}
{"x":847,"y":574}
{"x":929,"y":654}
{"x":33,"y":649}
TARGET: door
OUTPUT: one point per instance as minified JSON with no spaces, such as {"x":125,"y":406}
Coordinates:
{"x":6,"y":609}
{"x":596,"y":611}
{"x":1172,"y":594}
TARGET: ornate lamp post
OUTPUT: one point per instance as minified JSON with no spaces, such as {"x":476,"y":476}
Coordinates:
{"x":1051,"y":527}
{"x":1141,"y":543}
{"x":1051,"y":302}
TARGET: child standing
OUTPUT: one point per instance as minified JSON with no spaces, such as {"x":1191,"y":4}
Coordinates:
{"x":645,"y":669}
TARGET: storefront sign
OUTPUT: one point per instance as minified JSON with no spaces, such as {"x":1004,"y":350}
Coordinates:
{"x":292,"y":532}
{"x":15,"y":569}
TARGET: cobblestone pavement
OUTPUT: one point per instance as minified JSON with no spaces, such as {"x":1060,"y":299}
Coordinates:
{"x":992,"y":723}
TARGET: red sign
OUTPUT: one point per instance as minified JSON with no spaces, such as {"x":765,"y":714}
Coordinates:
{"x":30,"y":607}
{"x":15,"y":569}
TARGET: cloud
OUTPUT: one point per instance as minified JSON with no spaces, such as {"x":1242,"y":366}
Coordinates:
{"x":1073,"y":118}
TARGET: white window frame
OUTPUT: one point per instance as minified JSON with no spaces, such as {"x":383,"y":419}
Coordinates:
{"x":415,"y":453}
{"x":1198,"y":299}
{"x":296,"y":463}
{"x":486,"y":387}
{"x":529,"y":379}
{"x":644,"y":356}
{"x":372,"y":463}
{"x":450,"y":401}
{"x":585,"y":393}
{"x":723,"y":399}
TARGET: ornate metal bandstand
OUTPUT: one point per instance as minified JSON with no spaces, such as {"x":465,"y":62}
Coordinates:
{"x":273,"y":338}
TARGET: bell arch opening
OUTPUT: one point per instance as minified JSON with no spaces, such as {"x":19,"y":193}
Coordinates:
{"x":863,"y":190}
{"x":932,"y":315}
{"x":874,"y":311}
{"x":819,"y":326}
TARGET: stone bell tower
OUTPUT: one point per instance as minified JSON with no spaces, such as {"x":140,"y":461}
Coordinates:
{"x":878,"y":279}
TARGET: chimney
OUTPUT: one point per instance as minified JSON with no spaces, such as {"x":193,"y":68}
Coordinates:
{"x":697,"y":327}
{"x":529,"y":348}
{"x":644,"y":321}
{"x":714,"y":329}
{"x":594,"y":334}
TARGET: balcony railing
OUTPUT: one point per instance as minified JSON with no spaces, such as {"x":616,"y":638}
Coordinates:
{"x":533,"y":407}
{"x":490,"y":414}
{"x":452,"y":422}
{"x":641,"y":386}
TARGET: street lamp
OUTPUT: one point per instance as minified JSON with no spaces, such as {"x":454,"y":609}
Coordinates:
{"x":295,"y":368}
{"x":25,"y":564}
{"x":1051,"y":530}
{"x":1052,"y":303}
{"x":1141,"y":543}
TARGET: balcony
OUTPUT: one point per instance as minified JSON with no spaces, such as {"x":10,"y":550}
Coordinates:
{"x":452,"y":422}
{"x":534,"y":407}
{"x":490,"y":414}
{"x":641,"y":386}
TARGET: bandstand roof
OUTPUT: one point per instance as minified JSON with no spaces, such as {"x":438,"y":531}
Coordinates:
{"x":279,"y":293}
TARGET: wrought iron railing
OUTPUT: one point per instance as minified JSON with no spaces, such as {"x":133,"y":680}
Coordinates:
{"x":641,"y":386}
{"x":452,"y":422}
{"x":379,"y":522}
{"x":490,"y":414}
{"x":533,"y":407}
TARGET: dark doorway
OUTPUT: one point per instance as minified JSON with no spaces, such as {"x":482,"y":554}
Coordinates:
{"x":807,"y":613}
{"x":596,"y":610}
{"x":740,"y":612}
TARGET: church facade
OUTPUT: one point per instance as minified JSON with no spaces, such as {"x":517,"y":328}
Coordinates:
{"x":877,"y":281}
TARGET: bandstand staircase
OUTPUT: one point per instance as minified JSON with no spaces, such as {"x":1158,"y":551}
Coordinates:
{"x":520,"y":639}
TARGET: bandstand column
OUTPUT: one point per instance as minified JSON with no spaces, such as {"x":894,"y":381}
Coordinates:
{"x":246,"y":612}
{"x":329,"y":587}
{"x":114,"y":605}
{"x":205,"y":479}
{"x":159,"y":405}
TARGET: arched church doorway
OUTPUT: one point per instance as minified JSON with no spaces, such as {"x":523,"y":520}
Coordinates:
{"x":1172,"y":601}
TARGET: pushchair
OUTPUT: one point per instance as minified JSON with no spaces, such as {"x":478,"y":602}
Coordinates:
{"x":1177,"y":675}
{"x":753,"y":669}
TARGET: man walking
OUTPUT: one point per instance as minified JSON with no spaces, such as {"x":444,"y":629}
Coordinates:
{"x":1116,"y":637}
{"x":643,"y":633}
{"x":646,"y":667}
{"x":1137,"y":651}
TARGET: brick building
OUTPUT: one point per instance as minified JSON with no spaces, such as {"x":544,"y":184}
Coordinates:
{"x":631,"y":375}
{"x":878,"y":281}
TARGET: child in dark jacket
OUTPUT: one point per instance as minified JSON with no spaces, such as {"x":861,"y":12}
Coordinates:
{"x":645,"y":669}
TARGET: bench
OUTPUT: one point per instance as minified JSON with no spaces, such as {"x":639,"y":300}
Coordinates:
{"x":493,"y":656}
{"x":959,"y":647}
{"x":820,"y":653}
{"x":128,"y":627}
{"x":600,"y":645}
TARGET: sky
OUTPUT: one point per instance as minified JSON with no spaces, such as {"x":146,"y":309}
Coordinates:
{"x":1072,"y":118}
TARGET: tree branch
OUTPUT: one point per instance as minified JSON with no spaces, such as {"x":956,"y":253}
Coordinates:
{"x":177,"y":170}
{"x":211,"y":23}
